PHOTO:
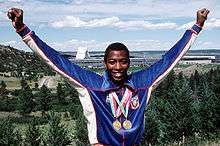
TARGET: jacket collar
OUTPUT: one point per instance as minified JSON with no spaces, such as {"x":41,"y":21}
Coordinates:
{"x":109,"y":85}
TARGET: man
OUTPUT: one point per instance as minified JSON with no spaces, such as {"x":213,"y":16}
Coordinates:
{"x":114,"y":103}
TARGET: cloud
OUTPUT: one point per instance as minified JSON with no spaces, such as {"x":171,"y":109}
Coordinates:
{"x":94,"y":45}
{"x":70,"y":21}
{"x":126,"y":25}
{"x":209,"y":24}
{"x":9,"y":43}
{"x":107,"y":8}
{"x":213,"y":23}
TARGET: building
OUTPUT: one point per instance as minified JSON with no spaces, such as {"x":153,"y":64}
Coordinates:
{"x":197,"y":59}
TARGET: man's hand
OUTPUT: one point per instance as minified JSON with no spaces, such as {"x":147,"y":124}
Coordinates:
{"x":202,"y":16}
{"x":16,"y":16}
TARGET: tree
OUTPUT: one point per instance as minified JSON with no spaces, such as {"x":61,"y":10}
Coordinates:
{"x":177,"y":113}
{"x":209,"y":111}
{"x":216,"y":81}
{"x":33,"y":134}
{"x":81,"y":133}
{"x":71,"y":93}
{"x":23,"y":83}
{"x":58,"y":134}
{"x":153,"y":127}
{"x":26,"y":100}
{"x":165,"y":85}
{"x":3,"y":90}
{"x":8,"y":135}
{"x":36,"y":86}
{"x":60,"y":93}
{"x":44,"y":99}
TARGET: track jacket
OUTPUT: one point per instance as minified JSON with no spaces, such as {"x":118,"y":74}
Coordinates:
{"x":97,"y":93}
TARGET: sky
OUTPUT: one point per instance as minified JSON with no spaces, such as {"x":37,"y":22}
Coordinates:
{"x":140,"y":24}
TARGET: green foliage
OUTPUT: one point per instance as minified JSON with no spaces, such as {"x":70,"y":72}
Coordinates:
{"x":153,"y":132}
{"x":8,"y":104}
{"x":36,"y":86}
{"x":81,"y":133}
{"x":18,"y":62}
{"x":3,"y":90}
{"x":26,"y":99}
{"x":33,"y":134}
{"x":8,"y":135}
{"x":58,"y":134}
{"x":60,"y":93}
{"x":23,"y":83}
{"x":175,"y":108}
{"x":71,"y":94}
{"x":209,"y":112}
{"x":183,"y":110}
{"x":44,"y":99}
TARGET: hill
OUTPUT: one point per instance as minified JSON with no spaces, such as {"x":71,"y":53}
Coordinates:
{"x":20,"y":63}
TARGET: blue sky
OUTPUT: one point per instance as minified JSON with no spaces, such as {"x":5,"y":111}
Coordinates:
{"x":139,"y":24}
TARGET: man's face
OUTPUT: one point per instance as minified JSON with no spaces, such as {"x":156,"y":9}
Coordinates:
{"x":117,"y":64}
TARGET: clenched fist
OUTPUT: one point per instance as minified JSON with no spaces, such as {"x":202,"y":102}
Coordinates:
{"x":202,"y":16}
{"x":16,"y":16}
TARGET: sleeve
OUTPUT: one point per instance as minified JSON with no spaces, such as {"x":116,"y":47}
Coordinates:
{"x":77,"y":76}
{"x":156,"y":72}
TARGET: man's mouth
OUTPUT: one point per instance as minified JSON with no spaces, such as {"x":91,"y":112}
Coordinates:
{"x":117,"y":74}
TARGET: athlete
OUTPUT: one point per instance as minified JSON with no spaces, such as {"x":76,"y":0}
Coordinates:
{"x":113,"y":103}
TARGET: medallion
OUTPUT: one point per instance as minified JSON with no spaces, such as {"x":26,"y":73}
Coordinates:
{"x":134,"y":102}
{"x":127,"y":124}
{"x":117,"y":125}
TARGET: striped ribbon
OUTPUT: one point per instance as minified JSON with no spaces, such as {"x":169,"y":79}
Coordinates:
{"x":123,"y":105}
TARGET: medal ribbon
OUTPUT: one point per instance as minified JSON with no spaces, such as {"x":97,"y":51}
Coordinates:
{"x":123,"y":106}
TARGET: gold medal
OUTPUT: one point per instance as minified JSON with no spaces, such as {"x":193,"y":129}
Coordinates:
{"x":117,"y":125}
{"x":127,"y":124}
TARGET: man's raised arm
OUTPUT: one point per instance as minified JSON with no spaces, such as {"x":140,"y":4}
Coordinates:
{"x":156,"y":72}
{"x":76,"y":75}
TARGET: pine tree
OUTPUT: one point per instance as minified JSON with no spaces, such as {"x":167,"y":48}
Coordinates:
{"x":23,"y":83}
{"x":81,"y":133}
{"x":33,"y":134}
{"x":3,"y":90}
{"x":177,"y":116}
{"x":44,"y":99}
{"x":209,"y":111}
{"x":60,"y":93}
{"x":58,"y":134}
{"x":26,"y":100}
{"x":153,"y":128}
{"x":8,"y":135}
{"x":216,"y":81}
{"x":36,"y":86}
{"x":72,"y":94}
{"x":165,"y":85}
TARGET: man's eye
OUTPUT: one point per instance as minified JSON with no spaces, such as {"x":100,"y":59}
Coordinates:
{"x":111,"y":62}
{"x":124,"y":62}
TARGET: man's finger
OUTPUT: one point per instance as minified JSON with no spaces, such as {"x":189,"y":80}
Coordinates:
{"x":202,"y":10}
{"x":16,"y":12}
{"x":11,"y":14}
{"x":206,"y":12}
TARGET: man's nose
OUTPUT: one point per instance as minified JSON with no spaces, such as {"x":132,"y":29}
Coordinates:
{"x":118,"y":65}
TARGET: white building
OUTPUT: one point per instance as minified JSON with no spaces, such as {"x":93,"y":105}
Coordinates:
{"x":197,"y":59}
{"x":82,"y":53}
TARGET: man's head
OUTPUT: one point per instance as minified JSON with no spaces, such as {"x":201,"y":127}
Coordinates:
{"x":117,"y":62}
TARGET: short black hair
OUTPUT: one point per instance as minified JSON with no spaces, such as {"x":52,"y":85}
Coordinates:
{"x":115,"y":47}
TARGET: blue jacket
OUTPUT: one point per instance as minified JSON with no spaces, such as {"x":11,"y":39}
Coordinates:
{"x":94,"y":89}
